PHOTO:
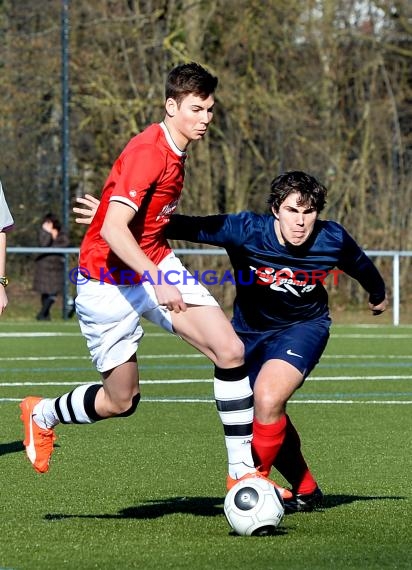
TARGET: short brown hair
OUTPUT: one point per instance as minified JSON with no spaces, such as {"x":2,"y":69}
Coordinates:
{"x":189,"y":78}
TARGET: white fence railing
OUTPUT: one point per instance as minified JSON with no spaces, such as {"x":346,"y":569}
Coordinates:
{"x":395,"y":255}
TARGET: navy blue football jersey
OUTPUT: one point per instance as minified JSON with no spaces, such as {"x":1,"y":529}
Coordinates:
{"x":278,"y":284}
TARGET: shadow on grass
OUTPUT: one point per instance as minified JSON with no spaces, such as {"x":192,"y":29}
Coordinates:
{"x":14,"y":447}
{"x":202,"y":506}
{"x":11,"y":447}
{"x":332,"y":501}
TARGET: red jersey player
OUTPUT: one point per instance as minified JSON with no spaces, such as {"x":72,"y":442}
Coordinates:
{"x":123,"y":268}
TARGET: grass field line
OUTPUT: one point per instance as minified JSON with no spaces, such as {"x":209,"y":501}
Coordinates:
{"x":208,"y":380}
{"x":198,"y":355}
{"x":141,"y":356}
{"x":36,"y":334}
{"x":370,"y":335}
{"x":148,"y":325}
{"x":60,"y":334}
{"x":212,"y":401}
{"x":43,"y":334}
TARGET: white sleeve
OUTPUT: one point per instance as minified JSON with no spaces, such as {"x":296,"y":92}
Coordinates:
{"x":6,"y":219}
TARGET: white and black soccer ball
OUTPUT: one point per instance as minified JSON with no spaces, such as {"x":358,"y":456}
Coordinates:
{"x":253,"y":507}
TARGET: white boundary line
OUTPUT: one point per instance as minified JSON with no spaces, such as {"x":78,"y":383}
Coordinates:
{"x":73,"y":383}
{"x":202,"y":401}
{"x":209,"y":380}
{"x":359,"y":357}
{"x":62,"y":334}
{"x":382,"y":335}
{"x":52,"y":358}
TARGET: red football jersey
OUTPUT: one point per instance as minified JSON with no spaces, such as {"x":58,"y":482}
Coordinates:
{"x":148,"y":176}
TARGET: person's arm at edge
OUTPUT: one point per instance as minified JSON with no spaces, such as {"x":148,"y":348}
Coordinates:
{"x":3,"y":294}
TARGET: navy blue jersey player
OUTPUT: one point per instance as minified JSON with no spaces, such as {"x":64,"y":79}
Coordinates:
{"x":281,"y":262}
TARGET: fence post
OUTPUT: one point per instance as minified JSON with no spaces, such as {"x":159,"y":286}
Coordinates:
{"x":396,"y":289}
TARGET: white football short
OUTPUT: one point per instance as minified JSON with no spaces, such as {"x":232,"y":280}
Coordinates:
{"x":109,"y":315}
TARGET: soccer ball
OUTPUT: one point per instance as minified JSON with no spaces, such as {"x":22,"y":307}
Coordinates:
{"x":253,"y":507}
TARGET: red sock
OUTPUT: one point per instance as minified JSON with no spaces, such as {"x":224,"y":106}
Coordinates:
{"x":291,"y":463}
{"x":266,"y":443}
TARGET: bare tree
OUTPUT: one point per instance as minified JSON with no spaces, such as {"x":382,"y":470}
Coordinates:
{"x":319,"y":85}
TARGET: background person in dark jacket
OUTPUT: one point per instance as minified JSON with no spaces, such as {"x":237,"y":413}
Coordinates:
{"x":49,"y":267}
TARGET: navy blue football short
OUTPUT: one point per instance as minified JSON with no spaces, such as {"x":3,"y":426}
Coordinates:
{"x":301,"y":344}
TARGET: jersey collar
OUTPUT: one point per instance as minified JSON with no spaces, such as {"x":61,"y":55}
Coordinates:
{"x":170,"y":141}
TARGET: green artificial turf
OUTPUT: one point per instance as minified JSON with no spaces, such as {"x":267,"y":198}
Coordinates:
{"x":147,"y":491}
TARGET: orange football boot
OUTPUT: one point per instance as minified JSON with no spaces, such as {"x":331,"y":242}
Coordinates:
{"x":37,"y":441}
{"x":285,"y":494}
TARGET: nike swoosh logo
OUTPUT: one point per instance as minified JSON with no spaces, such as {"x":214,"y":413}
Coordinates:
{"x":291,"y":353}
{"x":30,"y":449}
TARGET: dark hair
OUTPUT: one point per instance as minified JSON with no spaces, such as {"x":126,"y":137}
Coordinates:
{"x":189,"y":78}
{"x":312,"y":192}
{"x":50,"y":217}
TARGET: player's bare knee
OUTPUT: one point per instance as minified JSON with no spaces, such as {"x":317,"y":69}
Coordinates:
{"x":230,"y":354}
{"x":269,"y":405}
{"x":132,"y":408}
{"x":125,"y":408}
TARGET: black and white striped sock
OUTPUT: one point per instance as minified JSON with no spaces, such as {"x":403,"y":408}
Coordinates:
{"x":234,"y":401}
{"x":75,"y":407}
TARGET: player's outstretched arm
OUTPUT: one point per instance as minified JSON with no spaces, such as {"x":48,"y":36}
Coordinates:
{"x":87,"y":213}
